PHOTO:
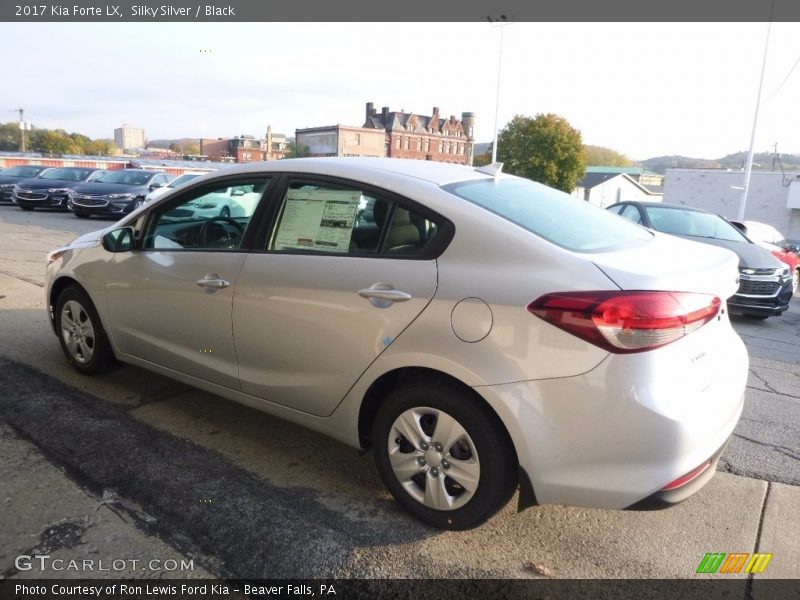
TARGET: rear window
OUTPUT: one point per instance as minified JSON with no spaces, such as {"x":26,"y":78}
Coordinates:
{"x":553,"y":215}
{"x":690,"y":222}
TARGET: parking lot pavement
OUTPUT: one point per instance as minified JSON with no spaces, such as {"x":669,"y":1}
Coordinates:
{"x":248,"y":495}
{"x":45,"y":513}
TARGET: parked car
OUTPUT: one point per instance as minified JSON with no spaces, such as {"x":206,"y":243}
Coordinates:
{"x":51,"y":188}
{"x":13,"y":175}
{"x":481,"y":333}
{"x":116,"y":193}
{"x":765,"y":284}
{"x":180,"y":180}
{"x":773,"y":240}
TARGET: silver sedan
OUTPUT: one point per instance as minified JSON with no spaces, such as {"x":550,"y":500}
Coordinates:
{"x":481,"y":333}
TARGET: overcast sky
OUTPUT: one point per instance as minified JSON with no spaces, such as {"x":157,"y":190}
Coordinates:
{"x":642,"y":89}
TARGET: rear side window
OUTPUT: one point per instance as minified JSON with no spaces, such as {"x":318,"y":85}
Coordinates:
{"x":335,"y":219}
{"x":555,"y":216}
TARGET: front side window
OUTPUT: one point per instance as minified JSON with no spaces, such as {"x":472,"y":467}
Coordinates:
{"x":631,"y":213}
{"x":212,"y":218}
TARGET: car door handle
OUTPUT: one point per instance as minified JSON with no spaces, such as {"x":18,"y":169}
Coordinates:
{"x":383,"y":294}
{"x":213,"y":281}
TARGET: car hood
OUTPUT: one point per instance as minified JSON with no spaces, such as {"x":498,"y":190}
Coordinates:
{"x":11,"y":179}
{"x":750,"y":255}
{"x":672,"y":264}
{"x":98,"y":187}
{"x":40,"y":184}
{"x":89,"y":239}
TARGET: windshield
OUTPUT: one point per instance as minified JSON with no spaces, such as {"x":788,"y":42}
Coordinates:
{"x":127,"y":177}
{"x":182,"y":179}
{"x":66,"y":174}
{"x":25,"y":171}
{"x":679,"y":221}
{"x":555,"y":216}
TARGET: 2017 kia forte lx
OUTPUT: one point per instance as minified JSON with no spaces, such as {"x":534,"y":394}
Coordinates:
{"x":478,"y":331}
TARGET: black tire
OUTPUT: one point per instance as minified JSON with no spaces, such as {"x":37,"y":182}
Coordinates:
{"x":74,"y":303}
{"x":486,"y":439}
{"x":23,"y":207}
{"x":757,"y":317}
{"x":81,"y":215}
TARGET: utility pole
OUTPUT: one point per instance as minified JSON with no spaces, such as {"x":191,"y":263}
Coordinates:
{"x":21,"y":130}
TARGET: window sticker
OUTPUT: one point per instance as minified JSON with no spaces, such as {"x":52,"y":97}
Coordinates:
{"x":317,"y":220}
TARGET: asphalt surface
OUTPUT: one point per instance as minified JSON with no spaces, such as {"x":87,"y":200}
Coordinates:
{"x":131,"y":462}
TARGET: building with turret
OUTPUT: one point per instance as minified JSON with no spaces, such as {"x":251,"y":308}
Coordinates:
{"x":396,"y":134}
{"x":423,"y":137}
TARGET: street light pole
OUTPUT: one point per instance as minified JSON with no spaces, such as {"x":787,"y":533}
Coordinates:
{"x":749,"y":167}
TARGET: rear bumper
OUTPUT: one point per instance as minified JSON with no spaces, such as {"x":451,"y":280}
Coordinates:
{"x":619,"y":434}
{"x":668,"y":498}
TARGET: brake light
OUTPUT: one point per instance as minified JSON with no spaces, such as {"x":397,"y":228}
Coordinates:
{"x":623,"y":322}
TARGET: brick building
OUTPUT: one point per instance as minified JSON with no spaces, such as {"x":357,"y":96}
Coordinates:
{"x":245,"y":148}
{"x":409,"y":135}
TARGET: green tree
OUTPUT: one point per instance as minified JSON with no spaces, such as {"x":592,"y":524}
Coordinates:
{"x":9,"y":137}
{"x":606,"y":157}
{"x":295,"y":151}
{"x":545,"y":148}
{"x":480,"y":160}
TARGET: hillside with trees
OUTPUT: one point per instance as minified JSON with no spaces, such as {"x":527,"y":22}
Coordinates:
{"x":52,"y":141}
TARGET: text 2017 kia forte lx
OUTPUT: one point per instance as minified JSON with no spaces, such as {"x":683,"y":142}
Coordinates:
{"x":478,"y":331}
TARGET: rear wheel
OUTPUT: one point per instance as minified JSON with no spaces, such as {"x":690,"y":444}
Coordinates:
{"x":80,"y":332}
{"x":444,"y":455}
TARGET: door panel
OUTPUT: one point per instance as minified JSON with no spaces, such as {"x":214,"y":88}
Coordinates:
{"x":161,"y":314}
{"x":304,"y":333}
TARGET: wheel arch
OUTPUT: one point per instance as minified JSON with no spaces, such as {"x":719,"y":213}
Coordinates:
{"x":59,"y":285}
{"x":383,"y":385}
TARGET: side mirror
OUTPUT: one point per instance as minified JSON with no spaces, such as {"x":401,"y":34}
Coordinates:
{"x":793,"y":248}
{"x":155,"y":186}
{"x":119,"y":240}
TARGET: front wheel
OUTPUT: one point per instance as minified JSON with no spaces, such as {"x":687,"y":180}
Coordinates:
{"x":80,"y":332}
{"x":23,"y":207}
{"x":444,"y":455}
{"x":81,"y":215}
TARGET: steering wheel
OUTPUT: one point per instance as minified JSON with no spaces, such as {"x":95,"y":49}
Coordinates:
{"x":230,"y":239}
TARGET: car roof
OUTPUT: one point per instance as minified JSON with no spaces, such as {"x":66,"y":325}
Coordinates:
{"x":437,"y":173}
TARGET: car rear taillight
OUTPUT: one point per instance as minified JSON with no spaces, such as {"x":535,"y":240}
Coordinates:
{"x":624,"y":322}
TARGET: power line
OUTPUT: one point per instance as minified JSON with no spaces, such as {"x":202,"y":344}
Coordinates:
{"x":775,"y":93}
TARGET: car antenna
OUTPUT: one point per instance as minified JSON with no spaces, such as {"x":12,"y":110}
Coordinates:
{"x":492,"y":169}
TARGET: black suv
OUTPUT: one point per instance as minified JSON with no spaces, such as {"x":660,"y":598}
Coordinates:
{"x":765,"y":283}
{"x":116,"y":193}
{"x":50,"y":189}
{"x":11,"y":176}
